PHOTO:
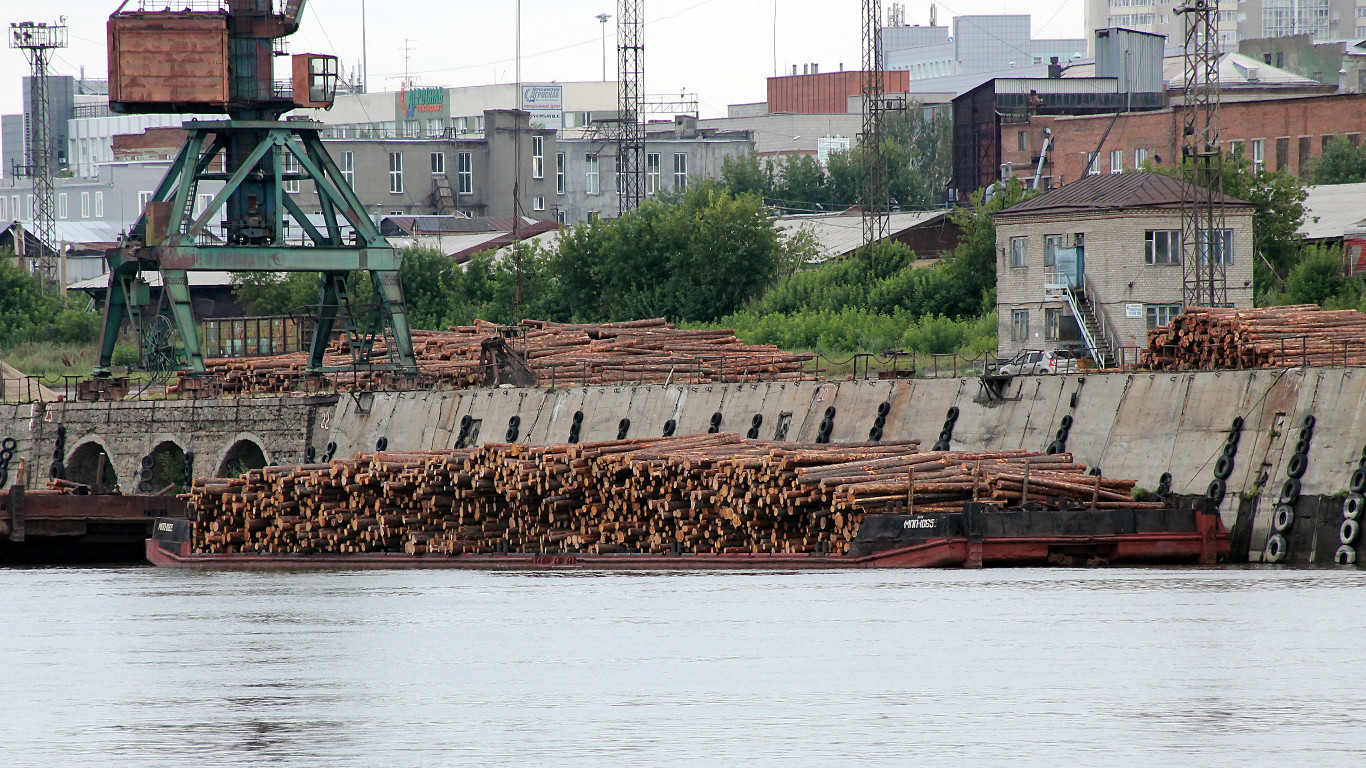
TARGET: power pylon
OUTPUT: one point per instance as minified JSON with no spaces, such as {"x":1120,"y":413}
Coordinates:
{"x":1203,"y":260}
{"x":875,"y":195}
{"x":38,"y":41}
{"x":630,"y":106}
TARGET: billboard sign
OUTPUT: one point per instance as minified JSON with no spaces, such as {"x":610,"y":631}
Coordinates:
{"x":546,"y":105}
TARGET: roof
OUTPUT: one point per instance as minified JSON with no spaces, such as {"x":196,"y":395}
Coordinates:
{"x":1330,"y":209}
{"x":842,"y":233}
{"x":196,"y":279}
{"x":502,"y":239}
{"x":1114,"y":191}
{"x":1235,"y":71}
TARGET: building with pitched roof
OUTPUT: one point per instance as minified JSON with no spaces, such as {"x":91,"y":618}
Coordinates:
{"x":1092,"y":266}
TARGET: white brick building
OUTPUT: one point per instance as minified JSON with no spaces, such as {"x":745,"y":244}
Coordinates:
{"x":1102,"y":257}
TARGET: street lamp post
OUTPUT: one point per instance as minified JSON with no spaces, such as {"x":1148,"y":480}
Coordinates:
{"x":603,"y":17}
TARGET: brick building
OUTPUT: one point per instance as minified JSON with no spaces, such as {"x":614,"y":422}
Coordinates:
{"x":1278,"y":134}
{"x":1092,"y":266}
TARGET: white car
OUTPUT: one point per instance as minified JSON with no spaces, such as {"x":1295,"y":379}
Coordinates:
{"x":1039,"y":361}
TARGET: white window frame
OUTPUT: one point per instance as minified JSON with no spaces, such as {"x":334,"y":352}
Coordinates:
{"x":1051,"y":244}
{"x":1156,"y":241}
{"x":395,"y":173}
{"x":62,"y":207}
{"x":4,"y":207}
{"x":438,"y":163}
{"x":1116,"y":161}
{"x":680,"y":170}
{"x":99,"y":204}
{"x":651,"y":173}
{"x":538,"y":203}
{"x":1225,"y":256}
{"x":559,"y":173}
{"x":1092,"y":163}
{"x":464,"y":173}
{"x":1140,"y":157}
{"x":289,"y":164}
{"x":1258,"y":154}
{"x":538,"y":157}
{"x":592,"y":175}
{"x":144,"y":198}
{"x":85,"y":206}
{"x":1019,"y":252}
{"x":1157,"y":315}
{"x":348,"y":167}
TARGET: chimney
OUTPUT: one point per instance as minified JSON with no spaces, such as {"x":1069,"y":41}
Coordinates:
{"x":794,"y":70}
{"x":1054,"y":68}
{"x":806,"y":69}
{"x":815,"y":68}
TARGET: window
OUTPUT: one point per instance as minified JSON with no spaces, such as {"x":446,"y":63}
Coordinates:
{"x":1019,"y":325}
{"x":1283,"y":154}
{"x":1223,"y":250}
{"x":1162,"y":246}
{"x":559,"y":173}
{"x":4,"y":207}
{"x":1306,"y":146}
{"x":396,"y":173}
{"x":438,"y":163}
{"x":203,"y":205}
{"x":1052,"y":316}
{"x":1051,"y":244}
{"x":1235,"y":147}
{"x":538,"y":157}
{"x":464,"y":173}
{"x":1092,"y":163}
{"x":1021,"y":142}
{"x":1116,"y":161}
{"x":1258,"y":154}
{"x":1160,"y":314}
{"x":538,"y":203}
{"x":290,"y":166}
{"x":560,"y":216}
{"x":143,"y":199}
{"x":99,"y":205}
{"x":680,"y":171}
{"x":348,"y":168}
{"x":1019,"y":251}
{"x":434,"y":128}
{"x":61,"y":206}
{"x":85,"y":206}
{"x":651,"y":173}
{"x":591,"y":173}
{"x":1140,"y":157}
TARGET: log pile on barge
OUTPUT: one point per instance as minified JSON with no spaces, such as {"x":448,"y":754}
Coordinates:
{"x":1271,"y":337}
{"x":641,"y":351}
{"x":712,"y":494}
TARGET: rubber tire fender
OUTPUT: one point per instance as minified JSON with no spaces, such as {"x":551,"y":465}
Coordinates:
{"x":875,"y":434}
{"x":1309,"y":422}
{"x":515,"y":421}
{"x":1349,"y":531}
{"x":1297,"y":465}
{"x":1061,"y":434}
{"x":884,"y":408}
{"x":1067,"y":421}
{"x":1237,"y":425}
{"x":716,"y":419}
{"x":1352,"y":506}
{"x":757,"y":420}
{"x":945,"y":435}
{"x":382,"y":444}
{"x":1358,"y":482}
{"x":1055,"y":448}
{"x":1274,"y":551}
{"x":1231,"y":446}
{"x":1216,"y":491}
{"x":1346,"y":555}
{"x":1282,"y":518}
{"x":1290,"y":491}
{"x":1223,"y":467}
{"x":830,"y":413}
{"x":953,"y":414}
{"x":669,"y":427}
{"x":578,"y":418}
{"x":10,"y":444}
{"x":467,"y":420}
{"x":1302,"y":446}
{"x":753,"y":433}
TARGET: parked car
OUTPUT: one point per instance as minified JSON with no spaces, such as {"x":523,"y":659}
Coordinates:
{"x":1031,"y":361}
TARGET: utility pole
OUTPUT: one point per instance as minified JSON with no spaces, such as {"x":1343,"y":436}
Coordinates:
{"x":364,"y":54}
{"x":875,"y":195}
{"x":38,"y":41}
{"x":602,"y":18}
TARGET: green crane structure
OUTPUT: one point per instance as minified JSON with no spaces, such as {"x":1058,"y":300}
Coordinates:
{"x":220,"y":59}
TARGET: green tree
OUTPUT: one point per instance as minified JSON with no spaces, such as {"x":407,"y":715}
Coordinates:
{"x":29,"y":311}
{"x":277,"y":293}
{"x":746,"y":175}
{"x":1340,"y":163}
{"x":1317,"y":279}
{"x":696,"y":260}
{"x":801,"y":184}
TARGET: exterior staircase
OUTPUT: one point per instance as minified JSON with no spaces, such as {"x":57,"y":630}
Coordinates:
{"x":1091,"y":322}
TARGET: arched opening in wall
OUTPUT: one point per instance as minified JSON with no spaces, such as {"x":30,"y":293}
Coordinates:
{"x":163,"y":470}
{"x":243,"y":456}
{"x":90,"y":465}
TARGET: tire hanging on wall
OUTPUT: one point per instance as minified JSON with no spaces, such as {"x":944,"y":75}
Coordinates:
{"x":1352,"y":506}
{"x":1348,"y":531}
{"x":1346,"y":555}
{"x":1223,"y":467}
{"x":1282,"y":518}
{"x":1290,"y":491}
{"x":1274,"y":551}
{"x":1358,"y":481}
{"x":1297,"y":465}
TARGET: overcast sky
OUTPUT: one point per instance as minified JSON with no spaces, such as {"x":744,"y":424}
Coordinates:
{"x":719,"y":49}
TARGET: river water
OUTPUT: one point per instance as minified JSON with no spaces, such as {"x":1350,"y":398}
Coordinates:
{"x":145,"y":667}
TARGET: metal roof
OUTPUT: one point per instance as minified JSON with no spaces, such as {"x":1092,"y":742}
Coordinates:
{"x":196,"y":280}
{"x":1112,"y":191}
{"x":1330,"y":209}
{"x":842,"y":233}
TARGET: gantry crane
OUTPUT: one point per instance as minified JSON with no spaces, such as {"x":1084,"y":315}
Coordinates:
{"x":217,"y":56}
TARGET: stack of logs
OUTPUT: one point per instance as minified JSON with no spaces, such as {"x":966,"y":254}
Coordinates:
{"x":711,"y":493}
{"x":642,"y":351}
{"x":1272,"y":337}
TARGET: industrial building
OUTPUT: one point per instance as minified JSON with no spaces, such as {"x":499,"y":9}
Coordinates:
{"x":1320,"y":19}
{"x":1092,"y":266}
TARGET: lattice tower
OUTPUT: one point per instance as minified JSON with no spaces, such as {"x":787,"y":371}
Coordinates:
{"x":874,"y":194}
{"x":630,"y":106}
{"x":38,"y":41}
{"x":1203,"y":266}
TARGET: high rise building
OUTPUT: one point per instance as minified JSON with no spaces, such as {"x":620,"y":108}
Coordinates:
{"x":1322,"y":19}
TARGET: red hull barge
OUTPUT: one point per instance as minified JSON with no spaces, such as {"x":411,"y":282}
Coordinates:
{"x":979,"y":536}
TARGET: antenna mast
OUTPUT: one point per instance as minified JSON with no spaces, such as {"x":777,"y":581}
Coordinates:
{"x":874,"y":196}
{"x":38,"y":41}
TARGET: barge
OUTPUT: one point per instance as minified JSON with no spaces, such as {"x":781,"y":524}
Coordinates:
{"x":980,"y":535}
